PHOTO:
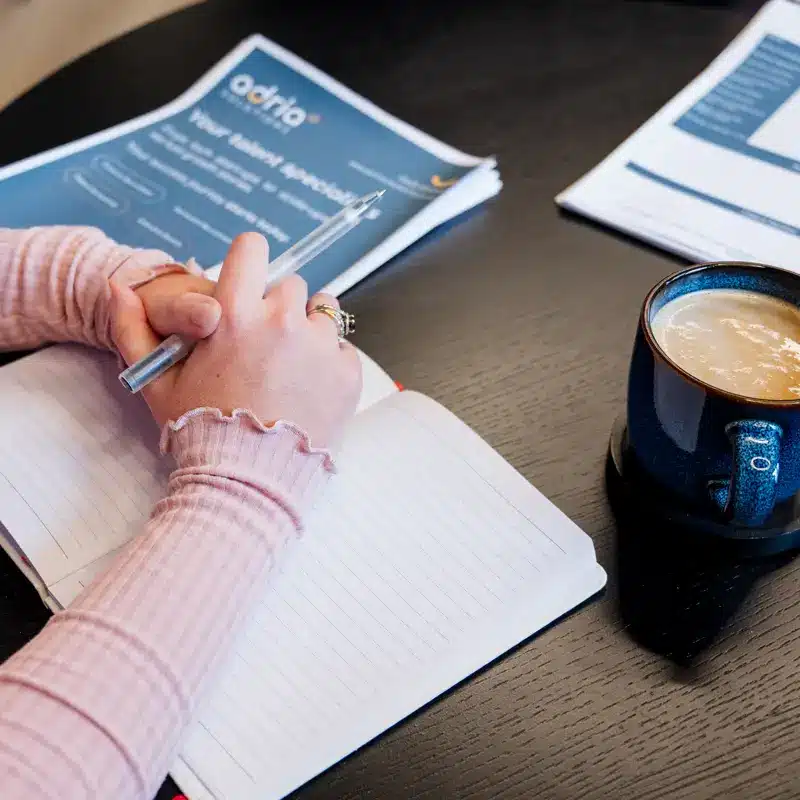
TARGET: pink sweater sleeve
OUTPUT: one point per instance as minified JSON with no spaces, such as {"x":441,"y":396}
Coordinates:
{"x":54,"y":284}
{"x":95,"y":705}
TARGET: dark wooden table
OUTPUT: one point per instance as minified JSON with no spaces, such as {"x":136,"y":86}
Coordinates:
{"x":682,"y":681}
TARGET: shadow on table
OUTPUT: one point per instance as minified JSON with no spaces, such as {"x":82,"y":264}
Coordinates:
{"x":675,"y":593}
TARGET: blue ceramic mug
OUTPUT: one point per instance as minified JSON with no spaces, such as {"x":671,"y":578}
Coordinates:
{"x":726,"y":455}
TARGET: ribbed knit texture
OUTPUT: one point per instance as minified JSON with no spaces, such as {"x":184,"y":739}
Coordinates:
{"x":95,"y":706}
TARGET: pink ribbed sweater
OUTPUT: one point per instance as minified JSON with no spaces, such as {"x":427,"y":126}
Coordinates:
{"x":94,"y":707}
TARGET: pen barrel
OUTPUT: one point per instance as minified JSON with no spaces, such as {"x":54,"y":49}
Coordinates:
{"x":297,"y":256}
{"x":153,"y":365}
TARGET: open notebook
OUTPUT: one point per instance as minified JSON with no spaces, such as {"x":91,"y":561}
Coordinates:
{"x":427,"y":557}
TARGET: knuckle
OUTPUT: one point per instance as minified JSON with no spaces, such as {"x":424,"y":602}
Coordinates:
{"x":327,"y":300}
{"x":296,"y":284}
{"x":283,"y":317}
{"x":233,"y":324}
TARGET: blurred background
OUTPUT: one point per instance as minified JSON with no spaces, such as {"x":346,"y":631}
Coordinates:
{"x":37,"y":37}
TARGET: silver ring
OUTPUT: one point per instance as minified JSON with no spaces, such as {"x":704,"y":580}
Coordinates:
{"x":345,"y":323}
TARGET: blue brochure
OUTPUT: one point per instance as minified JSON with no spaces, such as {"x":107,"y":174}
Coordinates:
{"x":264,"y":142}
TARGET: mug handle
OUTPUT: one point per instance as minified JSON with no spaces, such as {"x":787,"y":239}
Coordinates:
{"x":748,"y":498}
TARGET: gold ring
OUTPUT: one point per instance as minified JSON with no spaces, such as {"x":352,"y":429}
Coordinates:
{"x":345,"y":323}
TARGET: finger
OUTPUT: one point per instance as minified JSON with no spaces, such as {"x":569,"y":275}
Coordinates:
{"x":318,"y":318}
{"x":189,"y":314}
{"x":173,"y":283}
{"x":289,"y":299}
{"x":353,"y":361}
{"x":134,"y":339}
{"x":130,"y":330}
{"x":243,"y":278}
{"x":168,"y":314}
{"x":322,"y":299}
{"x":350,"y":353}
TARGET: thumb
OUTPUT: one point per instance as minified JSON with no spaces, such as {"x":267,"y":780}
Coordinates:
{"x":130,"y":330}
{"x":190,"y":314}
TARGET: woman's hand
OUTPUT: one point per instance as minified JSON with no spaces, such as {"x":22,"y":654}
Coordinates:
{"x":266,"y":355}
{"x":182,"y":303}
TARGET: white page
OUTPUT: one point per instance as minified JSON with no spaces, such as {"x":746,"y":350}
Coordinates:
{"x":77,"y":473}
{"x":386,"y":602}
{"x":375,"y":383}
{"x":715,"y":174}
{"x":63,"y":592}
{"x":77,"y":467}
{"x":383,"y":605}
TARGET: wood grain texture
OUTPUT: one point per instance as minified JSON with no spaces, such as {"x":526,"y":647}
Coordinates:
{"x":521,"y":321}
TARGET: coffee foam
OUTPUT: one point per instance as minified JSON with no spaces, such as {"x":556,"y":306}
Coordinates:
{"x":740,"y":341}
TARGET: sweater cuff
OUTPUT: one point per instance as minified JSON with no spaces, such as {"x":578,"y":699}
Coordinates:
{"x":275,"y":460}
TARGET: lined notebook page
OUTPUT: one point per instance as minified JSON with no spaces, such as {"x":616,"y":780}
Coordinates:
{"x":79,"y":469}
{"x":63,"y":592}
{"x":428,"y":558}
{"x":79,"y":466}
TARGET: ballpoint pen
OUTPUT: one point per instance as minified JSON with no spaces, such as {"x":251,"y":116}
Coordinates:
{"x":175,"y":348}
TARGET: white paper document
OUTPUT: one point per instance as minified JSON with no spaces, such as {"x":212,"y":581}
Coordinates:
{"x":715,"y":175}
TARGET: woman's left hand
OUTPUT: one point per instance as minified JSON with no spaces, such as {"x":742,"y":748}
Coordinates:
{"x":182,"y":303}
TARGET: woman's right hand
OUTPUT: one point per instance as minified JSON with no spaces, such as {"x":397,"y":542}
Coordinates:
{"x":266,"y":355}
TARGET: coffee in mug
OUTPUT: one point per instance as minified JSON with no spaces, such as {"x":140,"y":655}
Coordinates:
{"x":740,"y":341}
{"x":713,"y":417}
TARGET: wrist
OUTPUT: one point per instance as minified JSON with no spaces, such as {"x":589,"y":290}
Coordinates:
{"x":275,"y":461}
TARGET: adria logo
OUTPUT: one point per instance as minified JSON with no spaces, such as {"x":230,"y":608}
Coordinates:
{"x":269,"y":99}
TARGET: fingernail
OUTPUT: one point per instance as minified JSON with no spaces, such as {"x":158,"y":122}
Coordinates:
{"x":200,"y":308}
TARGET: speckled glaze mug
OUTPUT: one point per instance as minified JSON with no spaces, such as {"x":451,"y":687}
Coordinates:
{"x":726,"y":455}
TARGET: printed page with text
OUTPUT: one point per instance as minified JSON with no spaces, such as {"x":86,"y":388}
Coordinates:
{"x":715,"y":175}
